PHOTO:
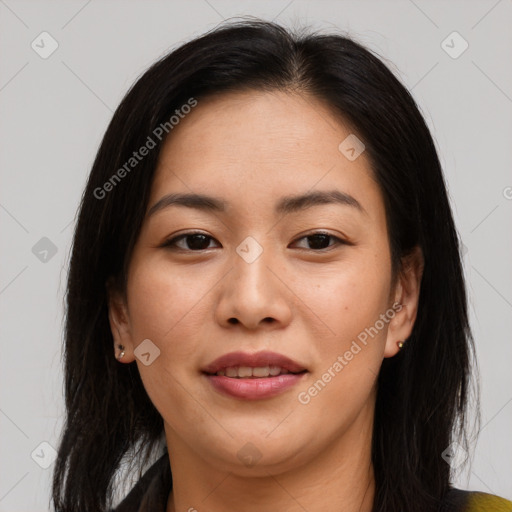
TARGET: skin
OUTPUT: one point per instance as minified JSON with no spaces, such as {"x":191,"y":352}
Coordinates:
{"x":250,"y":149}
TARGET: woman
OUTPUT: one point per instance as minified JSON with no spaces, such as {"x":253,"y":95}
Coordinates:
{"x":265,"y":285}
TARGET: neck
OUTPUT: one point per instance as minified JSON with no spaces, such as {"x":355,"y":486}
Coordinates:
{"x":339,"y":478}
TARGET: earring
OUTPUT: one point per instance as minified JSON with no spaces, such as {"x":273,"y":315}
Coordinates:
{"x":121,"y":355}
{"x":400,"y":344}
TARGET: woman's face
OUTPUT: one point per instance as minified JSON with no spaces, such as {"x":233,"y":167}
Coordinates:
{"x":294,"y":295}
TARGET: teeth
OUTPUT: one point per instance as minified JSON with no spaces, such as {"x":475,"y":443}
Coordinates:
{"x":275,"y":370}
{"x":231,"y":372}
{"x":261,"y":372}
{"x":244,"y":372}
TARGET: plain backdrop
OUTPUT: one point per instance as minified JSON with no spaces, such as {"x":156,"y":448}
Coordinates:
{"x":54,"y":111}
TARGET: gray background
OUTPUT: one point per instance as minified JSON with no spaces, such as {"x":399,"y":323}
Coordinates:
{"x":54,"y":111}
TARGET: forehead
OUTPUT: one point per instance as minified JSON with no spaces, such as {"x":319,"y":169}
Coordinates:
{"x":257,"y":145}
{"x":264,"y":125}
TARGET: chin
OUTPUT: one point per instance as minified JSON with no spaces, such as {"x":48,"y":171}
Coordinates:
{"x":258,"y":455}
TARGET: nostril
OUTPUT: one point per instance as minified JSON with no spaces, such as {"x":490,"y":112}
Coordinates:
{"x":233,"y":321}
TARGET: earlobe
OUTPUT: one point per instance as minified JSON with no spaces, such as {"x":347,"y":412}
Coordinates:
{"x":407,"y":295}
{"x":119,"y":324}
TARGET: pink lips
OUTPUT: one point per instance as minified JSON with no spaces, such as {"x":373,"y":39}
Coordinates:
{"x":253,"y":388}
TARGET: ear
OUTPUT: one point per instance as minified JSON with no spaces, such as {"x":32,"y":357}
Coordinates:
{"x":406,"y":296}
{"x":119,"y":323}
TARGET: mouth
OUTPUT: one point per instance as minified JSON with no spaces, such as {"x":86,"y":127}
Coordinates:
{"x":253,"y":376}
{"x":248,"y":372}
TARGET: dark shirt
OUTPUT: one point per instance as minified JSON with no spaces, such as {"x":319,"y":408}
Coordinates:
{"x":151,"y":492}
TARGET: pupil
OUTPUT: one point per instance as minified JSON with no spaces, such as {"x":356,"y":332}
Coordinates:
{"x":319,"y":237}
{"x":198,"y":242}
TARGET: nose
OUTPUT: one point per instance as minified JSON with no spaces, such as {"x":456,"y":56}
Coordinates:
{"x":254,"y":294}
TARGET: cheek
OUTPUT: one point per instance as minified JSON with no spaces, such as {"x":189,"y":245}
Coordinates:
{"x":351,"y":302}
{"x":167,"y":305}
{"x":163,"y":298}
{"x":350,"y":297}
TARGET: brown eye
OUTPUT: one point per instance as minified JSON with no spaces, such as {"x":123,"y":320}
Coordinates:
{"x":321,"y":241}
{"x":189,"y":242}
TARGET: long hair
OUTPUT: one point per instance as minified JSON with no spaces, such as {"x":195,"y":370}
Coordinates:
{"x":423,"y":392}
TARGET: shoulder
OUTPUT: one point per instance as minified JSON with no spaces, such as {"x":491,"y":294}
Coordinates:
{"x":474,"y":501}
{"x":482,"y":502}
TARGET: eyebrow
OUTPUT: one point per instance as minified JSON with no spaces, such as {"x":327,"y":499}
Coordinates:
{"x":286,"y":205}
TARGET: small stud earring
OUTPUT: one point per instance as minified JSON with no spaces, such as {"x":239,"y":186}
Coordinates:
{"x":400,"y":344}
{"x":121,"y":355}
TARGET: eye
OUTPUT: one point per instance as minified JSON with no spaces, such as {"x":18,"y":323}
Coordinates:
{"x":195,"y":242}
{"x":319,"y":241}
{"x":189,"y":242}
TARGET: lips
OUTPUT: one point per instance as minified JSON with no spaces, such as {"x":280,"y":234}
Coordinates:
{"x":242,"y":360}
{"x":253,"y":376}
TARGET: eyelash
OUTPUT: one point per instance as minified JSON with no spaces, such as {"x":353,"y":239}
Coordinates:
{"x":171,"y":243}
